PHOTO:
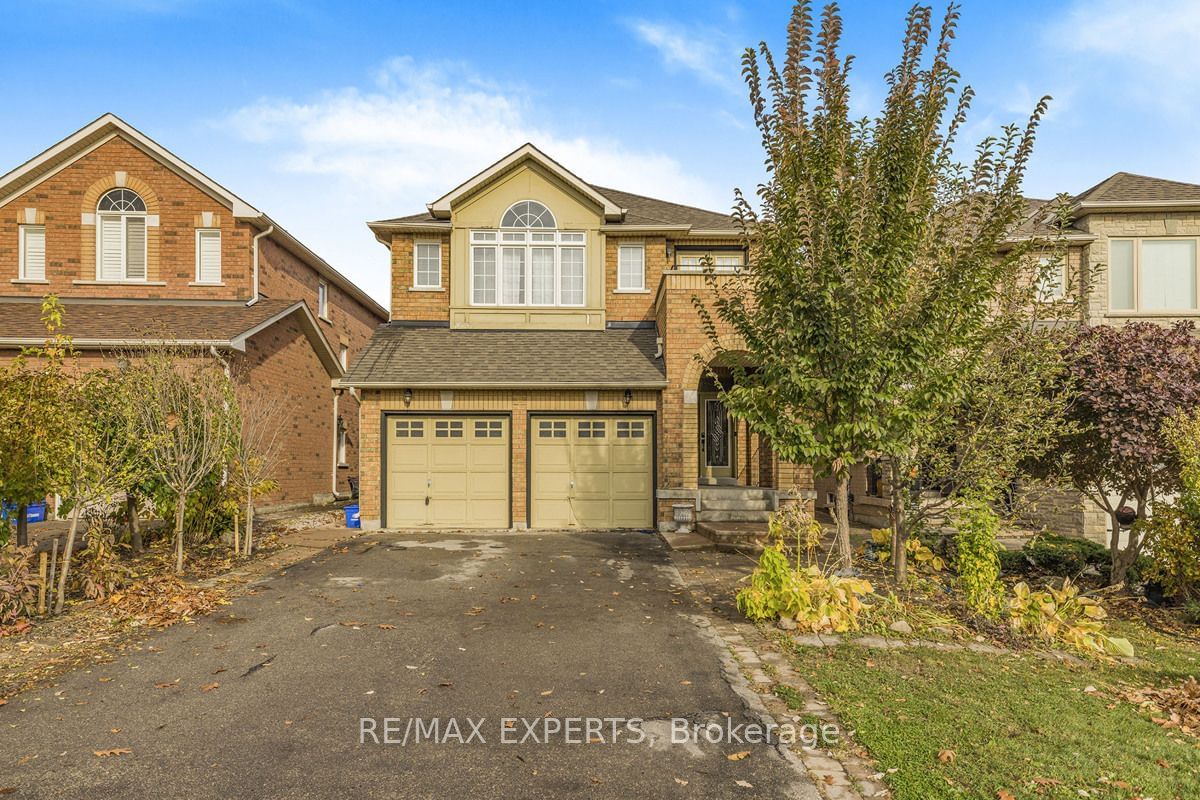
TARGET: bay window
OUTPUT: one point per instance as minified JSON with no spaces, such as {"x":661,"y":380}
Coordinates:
{"x":1152,"y":275}
{"x":527,"y":261}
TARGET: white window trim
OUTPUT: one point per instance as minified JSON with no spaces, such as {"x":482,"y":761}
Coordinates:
{"x":200,"y":281}
{"x":679,"y":254}
{"x":497,"y":245}
{"x":422,"y":287}
{"x":1063,"y":282}
{"x":1137,"y":278}
{"x":22,"y":275}
{"x":125,"y":217}
{"x":323,"y":300}
{"x":641,"y":289}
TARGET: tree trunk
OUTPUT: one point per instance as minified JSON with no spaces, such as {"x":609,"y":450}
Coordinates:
{"x":249,"y":522}
{"x":842,"y":517}
{"x":66,"y":560}
{"x":135,"y":529}
{"x":899,"y":554}
{"x":180,"y":503}
{"x":22,"y":525}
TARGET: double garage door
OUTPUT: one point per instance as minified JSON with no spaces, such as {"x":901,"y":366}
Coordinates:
{"x":582,"y":472}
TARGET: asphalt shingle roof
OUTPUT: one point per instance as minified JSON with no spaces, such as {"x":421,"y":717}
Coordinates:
{"x":1125,"y":187}
{"x":427,"y":356}
{"x":120,"y":322}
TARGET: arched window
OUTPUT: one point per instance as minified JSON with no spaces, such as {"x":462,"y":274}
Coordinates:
{"x":528,"y":214}
{"x":121,"y":236}
{"x":528,"y":261}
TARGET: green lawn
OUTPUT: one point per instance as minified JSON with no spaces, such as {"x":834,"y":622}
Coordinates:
{"x":1018,"y":724}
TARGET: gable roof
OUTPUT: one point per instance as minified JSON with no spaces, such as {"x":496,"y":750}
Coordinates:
{"x":102,"y":324}
{"x":622,"y":210}
{"x":1128,"y":189}
{"x":400,"y":355}
{"x":109,"y":126}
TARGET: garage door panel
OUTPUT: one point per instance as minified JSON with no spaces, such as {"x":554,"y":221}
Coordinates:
{"x":609,"y":460}
{"x":448,"y":472}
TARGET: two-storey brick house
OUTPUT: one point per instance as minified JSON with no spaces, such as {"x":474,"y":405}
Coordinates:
{"x":545,"y":367}
{"x":141,"y":247}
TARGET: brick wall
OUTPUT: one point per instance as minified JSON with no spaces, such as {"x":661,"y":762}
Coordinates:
{"x":639,"y":306}
{"x":418,"y":304}
{"x":61,"y":201}
{"x":519,"y":403}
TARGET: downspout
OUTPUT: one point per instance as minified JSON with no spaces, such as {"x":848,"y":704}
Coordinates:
{"x":254,"y":246}
{"x":337,"y":395}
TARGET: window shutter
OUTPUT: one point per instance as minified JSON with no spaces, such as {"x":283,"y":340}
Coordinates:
{"x":34,"y":255}
{"x":111,"y":267}
{"x":135,"y":248}
{"x":208,"y":256}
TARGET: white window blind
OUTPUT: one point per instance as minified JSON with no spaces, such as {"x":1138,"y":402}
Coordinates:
{"x":571,"y":284}
{"x":33,"y":252}
{"x":483,"y":275}
{"x":208,"y":256}
{"x":1120,"y":275}
{"x":112,"y":255}
{"x":512,"y":276}
{"x":1167,"y":272}
{"x":631,"y":267}
{"x":135,"y":248}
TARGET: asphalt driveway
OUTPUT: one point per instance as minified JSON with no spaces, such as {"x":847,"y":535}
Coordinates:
{"x":490,"y":644}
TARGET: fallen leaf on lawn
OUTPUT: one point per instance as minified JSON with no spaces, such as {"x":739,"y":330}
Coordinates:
{"x":1162,"y":763}
{"x":1047,"y":781}
{"x":386,"y":626}
{"x":1089,"y":689}
{"x":947,"y":756}
{"x":208,"y":687}
{"x":681,"y":781}
{"x":738,"y":756}
{"x":116,"y":751}
{"x":1004,"y":795}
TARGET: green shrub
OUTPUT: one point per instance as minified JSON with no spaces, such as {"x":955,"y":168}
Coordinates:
{"x":1191,"y":612}
{"x":1013,"y":562}
{"x":1064,"y":555}
{"x":815,"y":600}
{"x":1063,"y":616}
{"x":978,"y":562}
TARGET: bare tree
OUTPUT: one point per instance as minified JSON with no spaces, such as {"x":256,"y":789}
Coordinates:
{"x":256,"y":450}
{"x":186,"y":420}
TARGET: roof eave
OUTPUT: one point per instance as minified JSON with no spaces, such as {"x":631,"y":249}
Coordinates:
{"x":350,"y":383}
{"x":312,"y":331}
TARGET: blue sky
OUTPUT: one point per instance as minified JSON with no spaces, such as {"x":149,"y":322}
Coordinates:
{"x":329,"y":114}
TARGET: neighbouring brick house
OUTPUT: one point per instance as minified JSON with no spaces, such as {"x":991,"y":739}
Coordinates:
{"x":544,"y":366}
{"x":142,"y":247}
{"x":1131,"y":255}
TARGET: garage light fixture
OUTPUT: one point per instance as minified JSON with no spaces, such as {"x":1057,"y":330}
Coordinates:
{"x":628,"y":397}
{"x":408,"y":397}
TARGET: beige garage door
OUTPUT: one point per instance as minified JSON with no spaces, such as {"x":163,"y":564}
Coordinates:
{"x":447,"y":472}
{"x":591,"y":472}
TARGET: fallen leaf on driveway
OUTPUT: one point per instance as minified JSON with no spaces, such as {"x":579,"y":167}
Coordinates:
{"x":355,"y":625}
{"x":947,"y":756}
{"x":167,"y":684}
{"x":102,"y":680}
{"x":116,"y":751}
{"x":681,"y":781}
{"x":386,"y":626}
{"x":745,"y":784}
{"x":685,"y":683}
{"x":8,"y":789}
{"x":738,"y":756}
{"x":114,"y":730}
{"x":208,"y":687}
{"x":547,"y":693}
{"x":474,"y":612}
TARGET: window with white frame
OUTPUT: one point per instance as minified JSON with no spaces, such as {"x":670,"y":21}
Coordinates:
{"x":719,"y":260}
{"x":344,"y":356}
{"x":208,"y":255}
{"x":323,"y":300}
{"x":1152,"y":275}
{"x":631,"y":268}
{"x":427,"y":265}
{"x":121,"y":236}
{"x":33,"y":253}
{"x":528,"y":261}
{"x":1052,"y":278}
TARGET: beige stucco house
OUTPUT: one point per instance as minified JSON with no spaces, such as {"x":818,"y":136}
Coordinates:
{"x":540,"y":367}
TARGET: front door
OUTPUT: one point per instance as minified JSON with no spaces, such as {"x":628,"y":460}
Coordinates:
{"x":716,"y":439}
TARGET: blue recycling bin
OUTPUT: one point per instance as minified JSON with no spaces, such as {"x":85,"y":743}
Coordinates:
{"x":352,"y":520}
{"x":34,"y":512}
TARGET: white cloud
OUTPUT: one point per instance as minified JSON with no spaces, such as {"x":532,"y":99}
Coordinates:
{"x":706,"y":54}
{"x":415,"y":132}
{"x":1160,"y":34}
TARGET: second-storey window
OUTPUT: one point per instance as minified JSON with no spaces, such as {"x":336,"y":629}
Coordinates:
{"x":121,"y":236}
{"x":718,"y":260}
{"x":427,"y":265}
{"x":33,"y":253}
{"x":527,"y":261}
{"x":631,"y":267}
{"x":1154,"y":275}
{"x":323,"y":300}
{"x":208,"y":255}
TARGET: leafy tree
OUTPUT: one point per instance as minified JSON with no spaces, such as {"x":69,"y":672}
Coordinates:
{"x":33,"y":417}
{"x":103,"y":457}
{"x":1129,"y":382}
{"x":185,"y":419}
{"x":256,"y":450}
{"x":875,"y":253}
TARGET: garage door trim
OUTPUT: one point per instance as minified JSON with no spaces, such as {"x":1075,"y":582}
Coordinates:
{"x":529,"y":426}
{"x":385,"y":416}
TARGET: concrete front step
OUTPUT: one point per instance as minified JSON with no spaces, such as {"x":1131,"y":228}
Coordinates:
{"x":734,"y":535}
{"x":734,"y":492}
{"x":734,"y":515}
{"x":722,"y":503}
